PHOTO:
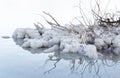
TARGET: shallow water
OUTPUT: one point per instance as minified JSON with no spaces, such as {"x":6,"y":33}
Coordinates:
{"x":16,"y":62}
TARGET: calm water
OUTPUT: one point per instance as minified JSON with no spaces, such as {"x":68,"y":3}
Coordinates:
{"x":16,"y":62}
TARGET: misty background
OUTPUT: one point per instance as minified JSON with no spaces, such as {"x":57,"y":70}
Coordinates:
{"x":23,"y":13}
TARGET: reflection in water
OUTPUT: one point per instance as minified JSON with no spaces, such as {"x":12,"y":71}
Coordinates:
{"x":75,"y":59}
{"x":78,"y":64}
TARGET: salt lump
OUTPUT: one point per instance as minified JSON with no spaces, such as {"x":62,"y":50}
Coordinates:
{"x":53,"y":40}
{"x":84,"y":42}
{"x":116,"y":44}
{"x":116,"y":41}
{"x":35,"y":43}
{"x":99,"y":43}
{"x":26,"y":32}
{"x":90,"y":50}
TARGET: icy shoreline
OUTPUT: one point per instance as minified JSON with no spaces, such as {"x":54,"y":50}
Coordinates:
{"x":91,"y":42}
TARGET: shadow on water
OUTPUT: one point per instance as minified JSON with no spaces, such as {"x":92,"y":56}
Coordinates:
{"x":80,"y":64}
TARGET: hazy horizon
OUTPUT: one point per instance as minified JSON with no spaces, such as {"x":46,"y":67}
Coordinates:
{"x":23,"y":13}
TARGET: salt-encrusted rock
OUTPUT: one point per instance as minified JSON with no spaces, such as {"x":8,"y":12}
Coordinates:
{"x":25,"y":33}
{"x":52,"y":49}
{"x":26,"y":44}
{"x":108,"y":37}
{"x":116,"y":41}
{"x":117,"y":31}
{"x":54,"y":41}
{"x":98,"y":30}
{"x":108,"y":40}
{"x":116,"y":45}
{"x":66,"y":41}
{"x":73,"y":46}
{"x":89,"y":50}
{"x":49,"y":34}
{"x":99,"y":43}
{"x":70,"y":39}
{"x":19,"y":33}
{"x":32,"y":33}
{"x":35,"y":43}
{"x":116,"y":50}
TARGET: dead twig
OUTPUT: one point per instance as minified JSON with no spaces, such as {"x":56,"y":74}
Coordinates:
{"x":52,"y":18}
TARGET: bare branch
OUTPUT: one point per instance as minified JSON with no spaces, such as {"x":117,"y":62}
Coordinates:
{"x":52,"y":18}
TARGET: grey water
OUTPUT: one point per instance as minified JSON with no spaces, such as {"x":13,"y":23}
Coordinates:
{"x":16,"y":62}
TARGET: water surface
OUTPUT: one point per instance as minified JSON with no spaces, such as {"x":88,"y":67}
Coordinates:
{"x":16,"y":62}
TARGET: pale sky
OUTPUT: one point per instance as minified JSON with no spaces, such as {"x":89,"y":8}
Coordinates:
{"x":23,"y":13}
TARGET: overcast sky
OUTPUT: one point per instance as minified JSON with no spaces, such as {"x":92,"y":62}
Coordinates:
{"x":23,"y":13}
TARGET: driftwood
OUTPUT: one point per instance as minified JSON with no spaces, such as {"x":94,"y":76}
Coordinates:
{"x":109,"y":22}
